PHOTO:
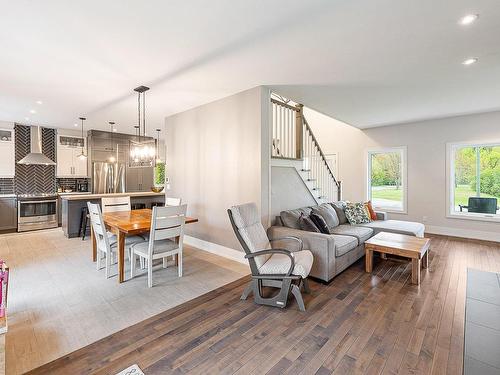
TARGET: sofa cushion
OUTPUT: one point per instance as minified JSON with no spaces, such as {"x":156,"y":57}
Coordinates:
{"x":361,"y":233}
{"x":356,"y":213}
{"x":280,"y":263}
{"x":290,"y":218}
{"x":410,"y":228}
{"x":306,"y":223}
{"x":320,"y":223}
{"x":344,"y":244}
{"x":339,"y":208}
{"x":327,"y":212}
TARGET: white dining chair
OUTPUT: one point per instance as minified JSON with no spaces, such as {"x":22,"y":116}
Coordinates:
{"x":115,"y":204}
{"x":170,"y":201}
{"x":165,"y":239}
{"x":108,"y":247}
{"x":101,"y":236}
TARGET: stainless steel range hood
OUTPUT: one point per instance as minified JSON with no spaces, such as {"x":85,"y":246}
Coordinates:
{"x":36,"y":156}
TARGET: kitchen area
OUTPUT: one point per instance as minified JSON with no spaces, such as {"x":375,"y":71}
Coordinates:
{"x":47,"y":175}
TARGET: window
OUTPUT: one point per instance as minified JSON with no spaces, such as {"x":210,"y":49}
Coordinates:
{"x":474,"y":180}
{"x":386,"y":182}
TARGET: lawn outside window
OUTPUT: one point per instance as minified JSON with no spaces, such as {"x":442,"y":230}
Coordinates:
{"x":473,"y":180}
{"x":386,"y":179}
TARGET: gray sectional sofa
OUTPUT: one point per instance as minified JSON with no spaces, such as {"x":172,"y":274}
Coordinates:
{"x":336,"y":251}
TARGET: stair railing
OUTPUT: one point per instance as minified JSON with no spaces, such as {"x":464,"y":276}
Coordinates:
{"x":316,"y":165}
{"x":287,"y":136}
{"x":292,"y":138}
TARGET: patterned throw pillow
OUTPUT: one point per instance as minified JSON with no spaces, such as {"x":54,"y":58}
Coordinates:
{"x":356,"y":213}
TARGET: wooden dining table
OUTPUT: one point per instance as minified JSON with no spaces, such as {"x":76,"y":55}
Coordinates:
{"x":123,"y":224}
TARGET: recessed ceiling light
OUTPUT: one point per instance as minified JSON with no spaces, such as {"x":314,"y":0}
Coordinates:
{"x":39,"y":102}
{"x":470,"y":61}
{"x":75,"y":124}
{"x":27,"y":118}
{"x":468,"y":19}
{"x":32,"y":111}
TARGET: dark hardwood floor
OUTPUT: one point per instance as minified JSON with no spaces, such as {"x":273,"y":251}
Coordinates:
{"x":360,"y":323}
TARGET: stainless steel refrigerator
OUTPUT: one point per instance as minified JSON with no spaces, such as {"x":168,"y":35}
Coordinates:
{"x":108,"y":177}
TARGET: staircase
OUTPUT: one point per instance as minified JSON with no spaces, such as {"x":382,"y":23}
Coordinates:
{"x":293,"y":140}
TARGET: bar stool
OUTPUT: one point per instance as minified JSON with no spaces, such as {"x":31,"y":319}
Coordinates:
{"x":138,"y":206}
{"x":84,"y":221}
{"x":156,"y":204}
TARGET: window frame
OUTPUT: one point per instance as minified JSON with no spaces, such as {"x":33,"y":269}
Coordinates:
{"x":451,"y":148}
{"x":404,"y":177}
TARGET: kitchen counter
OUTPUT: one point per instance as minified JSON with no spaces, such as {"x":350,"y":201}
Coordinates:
{"x":62,"y":194}
{"x":72,"y":204}
{"x":73,"y":196}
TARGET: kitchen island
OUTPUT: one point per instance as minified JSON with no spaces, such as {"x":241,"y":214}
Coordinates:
{"x":71,"y":206}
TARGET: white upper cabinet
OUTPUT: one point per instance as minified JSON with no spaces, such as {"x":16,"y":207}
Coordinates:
{"x":7,"y":153}
{"x":68,"y":162}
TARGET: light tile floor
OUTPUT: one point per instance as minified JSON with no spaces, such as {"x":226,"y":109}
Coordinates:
{"x":59,"y":302}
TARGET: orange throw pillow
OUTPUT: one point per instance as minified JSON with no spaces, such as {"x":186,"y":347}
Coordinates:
{"x":369,"y":209}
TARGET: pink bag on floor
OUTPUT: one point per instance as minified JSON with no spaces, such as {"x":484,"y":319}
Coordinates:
{"x":4,"y":279}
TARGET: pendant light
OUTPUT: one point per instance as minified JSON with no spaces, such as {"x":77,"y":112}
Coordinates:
{"x":82,"y":155}
{"x":158,"y":158}
{"x":112,"y":157}
{"x":142,"y":151}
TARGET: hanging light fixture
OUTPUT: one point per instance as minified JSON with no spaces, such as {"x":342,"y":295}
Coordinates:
{"x":82,"y":155}
{"x":158,"y":158}
{"x":112,"y":157}
{"x":142,"y":151}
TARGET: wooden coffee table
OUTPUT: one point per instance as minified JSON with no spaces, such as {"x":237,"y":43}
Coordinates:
{"x":415,"y":248}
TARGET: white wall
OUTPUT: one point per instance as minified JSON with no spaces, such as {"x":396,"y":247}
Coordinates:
{"x":217,"y":157}
{"x":426,"y":143}
{"x":6,"y":125}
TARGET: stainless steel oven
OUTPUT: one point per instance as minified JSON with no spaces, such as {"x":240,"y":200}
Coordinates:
{"x":36,"y":212}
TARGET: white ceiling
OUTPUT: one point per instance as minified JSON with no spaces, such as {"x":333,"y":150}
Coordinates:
{"x":365,"y":62}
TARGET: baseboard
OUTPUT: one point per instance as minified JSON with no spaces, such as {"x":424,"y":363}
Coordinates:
{"x":214,"y":248}
{"x":463,"y":233}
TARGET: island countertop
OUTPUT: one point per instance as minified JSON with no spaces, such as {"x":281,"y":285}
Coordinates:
{"x":77,"y":197}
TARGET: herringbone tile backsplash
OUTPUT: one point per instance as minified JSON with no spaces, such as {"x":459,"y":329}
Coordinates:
{"x":6,"y":186}
{"x":35,"y":179}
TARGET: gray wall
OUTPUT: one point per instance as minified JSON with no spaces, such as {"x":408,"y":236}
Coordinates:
{"x":288,"y":190}
{"x":426,"y":143}
{"x":215,"y":159}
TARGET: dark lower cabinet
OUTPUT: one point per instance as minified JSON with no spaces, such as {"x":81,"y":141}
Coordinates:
{"x":8,"y":213}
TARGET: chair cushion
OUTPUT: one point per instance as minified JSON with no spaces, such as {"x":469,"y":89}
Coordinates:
{"x":327,"y":212}
{"x":160,"y":246}
{"x":360,"y":232}
{"x":247,"y":219}
{"x":339,"y":208}
{"x":307,"y":224}
{"x":356,"y":213}
{"x":410,"y":228}
{"x":129,"y":240}
{"x":290,"y":218}
{"x":280,"y":263}
{"x":344,"y":244}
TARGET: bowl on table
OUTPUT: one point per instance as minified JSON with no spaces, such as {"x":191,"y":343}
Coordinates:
{"x":157,"y":189}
